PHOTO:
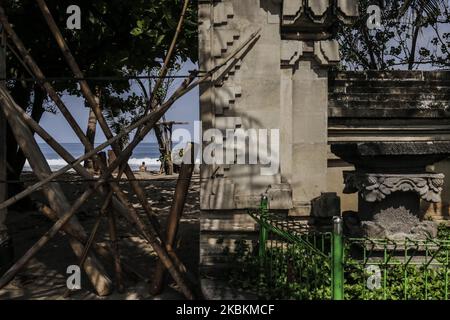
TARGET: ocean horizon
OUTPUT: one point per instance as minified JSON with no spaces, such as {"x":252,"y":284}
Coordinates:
{"x":147,"y":152}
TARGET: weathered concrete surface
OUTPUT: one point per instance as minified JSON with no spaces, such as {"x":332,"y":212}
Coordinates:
{"x":280,"y":83}
{"x":391,"y":106}
{"x":401,"y":156}
{"x":392,"y":223}
{"x":391,"y":178}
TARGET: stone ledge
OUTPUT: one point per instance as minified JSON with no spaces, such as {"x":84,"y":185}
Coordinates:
{"x":375,"y":187}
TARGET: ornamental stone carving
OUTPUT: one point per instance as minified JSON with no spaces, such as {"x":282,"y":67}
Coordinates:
{"x":315,"y":19}
{"x":325,"y":52}
{"x":376,"y":187}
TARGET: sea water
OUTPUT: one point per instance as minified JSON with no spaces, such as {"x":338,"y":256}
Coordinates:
{"x":144,"y":152}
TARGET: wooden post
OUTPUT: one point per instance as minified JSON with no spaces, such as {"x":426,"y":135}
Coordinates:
{"x":108,"y":212}
{"x":3,"y":161}
{"x":115,"y":249}
{"x":176,"y":211}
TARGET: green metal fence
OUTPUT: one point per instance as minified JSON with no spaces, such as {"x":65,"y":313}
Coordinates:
{"x":293,"y":261}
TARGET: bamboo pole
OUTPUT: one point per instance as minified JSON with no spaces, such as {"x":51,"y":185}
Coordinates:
{"x":169,"y":55}
{"x":115,"y":250}
{"x":108,"y":212}
{"x":40,"y":77}
{"x":90,"y":98}
{"x":11,"y":273}
{"x":81,"y":237}
{"x":58,"y":148}
{"x":148,"y":120}
{"x":81,"y":170}
{"x":163,"y":73}
{"x":175,"y":213}
{"x":87,"y":247}
{"x":34,"y":68}
{"x":95,"y":228}
{"x":3,"y":142}
{"x":54,"y":194}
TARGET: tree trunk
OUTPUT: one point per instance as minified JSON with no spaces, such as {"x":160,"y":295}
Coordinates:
{"x":92,"y":128}
{"x":36,"y":115}
{"x":21,"y":94}
{"x":6,"y":250}
{"x":164,"y":149}
{"x":415,"y":37}
{"x":90,"y":134}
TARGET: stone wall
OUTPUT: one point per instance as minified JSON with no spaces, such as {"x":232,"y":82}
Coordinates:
{"x":389,"y":106}
{"x":282,"y":81}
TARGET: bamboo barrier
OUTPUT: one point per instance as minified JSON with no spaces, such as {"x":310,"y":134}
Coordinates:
{"x":152,"y":239}
{"x":92,"y":101}
{"x":147,"y":120}
{"x":61,"y":211}
{"x":55,"y":197}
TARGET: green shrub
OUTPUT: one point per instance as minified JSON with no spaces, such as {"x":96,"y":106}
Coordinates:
{"x":294,"y":271}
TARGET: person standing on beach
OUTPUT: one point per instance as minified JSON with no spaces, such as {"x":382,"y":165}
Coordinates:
{"x":143,"y":167}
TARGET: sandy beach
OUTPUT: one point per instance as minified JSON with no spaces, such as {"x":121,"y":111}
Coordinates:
{"x":45,"y":276}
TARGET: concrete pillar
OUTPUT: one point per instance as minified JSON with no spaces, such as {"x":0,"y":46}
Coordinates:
{"x":304,"y":96}
{"x":279,"y":83}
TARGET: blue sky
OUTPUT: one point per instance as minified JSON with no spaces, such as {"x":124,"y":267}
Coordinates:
{"x":185,"y":109}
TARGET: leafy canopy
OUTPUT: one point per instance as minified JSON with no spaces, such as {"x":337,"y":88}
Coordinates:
{"x":116,"y":38}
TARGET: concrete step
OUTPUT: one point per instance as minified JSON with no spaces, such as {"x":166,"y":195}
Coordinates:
{"x":389,"y":97}
{"x":402,"y":75}
{"x":393,"y":104}
{"x":425,"y":89}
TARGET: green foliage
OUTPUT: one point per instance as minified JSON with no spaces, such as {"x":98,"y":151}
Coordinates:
{"x":403,"y":281}
{"x":282,"y":275}
{"x":413,"y":34}
{"x":443,"y":232}
{"x":117,"y":38}
{"x":293,"y":271}
{"x":398,"y":282}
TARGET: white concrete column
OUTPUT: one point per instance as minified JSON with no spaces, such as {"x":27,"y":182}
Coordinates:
{"x":309,"y":135}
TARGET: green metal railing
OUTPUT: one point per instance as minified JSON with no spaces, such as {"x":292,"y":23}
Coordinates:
{"x":337,"y":255}
{"x":294,"y":261}
{"x":402,"y":270}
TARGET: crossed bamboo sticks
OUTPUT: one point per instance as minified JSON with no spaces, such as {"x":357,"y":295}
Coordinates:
{"x":63,"y":214}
